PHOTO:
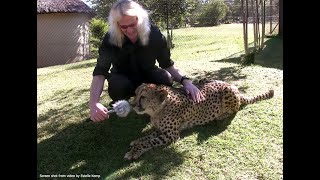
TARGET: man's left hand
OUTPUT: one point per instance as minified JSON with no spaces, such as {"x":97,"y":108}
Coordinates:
{"x":193,"y":91}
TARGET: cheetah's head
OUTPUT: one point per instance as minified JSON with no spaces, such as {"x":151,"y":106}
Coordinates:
{"x":149,"y":100}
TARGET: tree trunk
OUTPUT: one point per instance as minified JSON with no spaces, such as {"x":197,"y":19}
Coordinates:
{"x":280,"y":31}
{"x":254,"y":17}
{"x":258,"y":24}
{"x":270,"y":16}
{"x":169,"y":38}
{"x":263,"y":11}
{"x":245,"y":25}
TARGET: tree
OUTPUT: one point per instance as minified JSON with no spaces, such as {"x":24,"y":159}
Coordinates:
{"x":102,"y":7}
{"x":234,"y":11}
{"x":174,"y":10}
{"x":167,"y":12}
{"x":211,"y":13}
{"x":98,"y":28}
{"x":244,"y":10}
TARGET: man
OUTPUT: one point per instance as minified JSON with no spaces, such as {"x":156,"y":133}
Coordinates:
{"x":132,"y":46}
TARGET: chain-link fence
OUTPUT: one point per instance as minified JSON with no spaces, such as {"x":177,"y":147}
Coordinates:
{"x":190,"y":35}
{"x":272,"y":19}
{"x":192,"y":31}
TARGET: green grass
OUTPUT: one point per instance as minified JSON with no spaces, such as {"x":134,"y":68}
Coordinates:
{"x":246,"y":146}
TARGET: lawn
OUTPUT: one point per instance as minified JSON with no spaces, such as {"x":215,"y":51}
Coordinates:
{"x":246,"y":146}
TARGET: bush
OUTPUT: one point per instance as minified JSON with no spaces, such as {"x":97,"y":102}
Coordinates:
{"x":98,"y":28}
{"x":211,"y":14}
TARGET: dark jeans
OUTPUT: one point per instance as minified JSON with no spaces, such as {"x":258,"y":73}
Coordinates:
{"x":121,"y":86}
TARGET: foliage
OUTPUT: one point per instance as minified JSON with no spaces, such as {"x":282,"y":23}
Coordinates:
{"x":191,"y":6}
{"x":102,"y":7}
{"x":98,"y":28}
{"x":179,"y":13}
{"x":171,"y":12}
{"x":176,"y":12}
{"x":211,"y":13}
{"x":234,"y":12}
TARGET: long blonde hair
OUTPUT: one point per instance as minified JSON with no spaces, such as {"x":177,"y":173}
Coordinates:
{"x":129,"y":8}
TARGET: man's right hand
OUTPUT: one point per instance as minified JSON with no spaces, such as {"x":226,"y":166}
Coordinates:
{"x":98,"y":112}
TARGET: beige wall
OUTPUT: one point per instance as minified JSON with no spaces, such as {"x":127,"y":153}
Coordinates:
{"x":62,"y":38}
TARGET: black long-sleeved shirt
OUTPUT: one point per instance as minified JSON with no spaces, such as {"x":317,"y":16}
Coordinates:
{"x":133,"y":59}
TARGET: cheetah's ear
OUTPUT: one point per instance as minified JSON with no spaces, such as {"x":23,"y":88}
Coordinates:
{"x":151,"y":86}
{"x":162,"y":95}
{"x":139,"y":88}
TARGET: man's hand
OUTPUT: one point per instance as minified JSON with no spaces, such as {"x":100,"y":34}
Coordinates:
{"x":193,"y":91}
{"x":98,"y":112}
{"x":190,"y":89}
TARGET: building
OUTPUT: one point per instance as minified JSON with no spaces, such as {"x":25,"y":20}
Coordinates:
{"x":62,"y":31}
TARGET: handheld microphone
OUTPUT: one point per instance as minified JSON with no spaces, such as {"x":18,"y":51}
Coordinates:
{"x":122,"y":108}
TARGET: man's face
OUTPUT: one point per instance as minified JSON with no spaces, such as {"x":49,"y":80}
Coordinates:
{"x":128,"y":26}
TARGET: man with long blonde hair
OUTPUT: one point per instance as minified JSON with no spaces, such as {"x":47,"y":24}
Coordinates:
{"x":127,"y":58}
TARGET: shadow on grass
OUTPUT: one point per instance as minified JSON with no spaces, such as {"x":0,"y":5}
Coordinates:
{"x":98,"y":148}
{"x":270,"y":56}
{"x":224,"y":74}
{"x":211,"y":129}
{"x":227,"y":74}
{"x":83,"y":65}
{"x":95,"y":148}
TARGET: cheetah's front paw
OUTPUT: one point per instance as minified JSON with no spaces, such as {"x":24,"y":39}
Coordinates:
{"x":133,"y":143}
{"x":132,"y":155}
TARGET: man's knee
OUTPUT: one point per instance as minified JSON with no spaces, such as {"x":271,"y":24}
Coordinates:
{"x":161,"y":76}
{"x":120,"y":87}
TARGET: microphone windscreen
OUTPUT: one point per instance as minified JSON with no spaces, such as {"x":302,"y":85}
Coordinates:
{"x":122,"y":108}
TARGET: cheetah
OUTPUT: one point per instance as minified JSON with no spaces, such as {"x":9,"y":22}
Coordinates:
{"x":172,"y":111}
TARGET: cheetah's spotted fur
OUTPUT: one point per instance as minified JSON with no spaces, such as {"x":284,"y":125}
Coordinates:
{"x":171,"y":110}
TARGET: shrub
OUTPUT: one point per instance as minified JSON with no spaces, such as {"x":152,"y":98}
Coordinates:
{"x":98,"y":28}
{"x":211,"y":13}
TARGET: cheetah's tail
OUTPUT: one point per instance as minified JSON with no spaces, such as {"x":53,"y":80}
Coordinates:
{"x":254,"y":99}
